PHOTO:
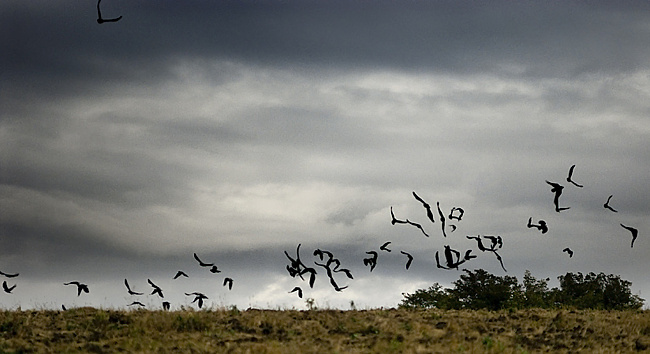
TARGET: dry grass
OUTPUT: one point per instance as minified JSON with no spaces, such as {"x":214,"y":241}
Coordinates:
{"x":325,"y":331}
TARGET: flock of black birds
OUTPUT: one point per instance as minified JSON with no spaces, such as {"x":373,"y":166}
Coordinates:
{"x":452,"y":258}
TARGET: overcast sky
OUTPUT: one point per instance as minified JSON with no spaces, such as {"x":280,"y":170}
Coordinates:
{"x":239,"y":129}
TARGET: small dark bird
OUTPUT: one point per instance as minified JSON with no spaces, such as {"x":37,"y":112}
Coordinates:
{"x":542,"y":225}
{"x":481,"y":247}
{"x":568,"y":251}
{"x":568,"y":179}
{"x":128,"y":288}
{"x":201,"y":263}
{"x":607,"y":206}
{"x":80,"y":287}
{"x":497,"y":241}
{"x":228,"y":281}
{"x":409,"y":257}
{"x":418,"y":226}
{"x":453,"y":227}
{"x":384,"y":247}
{"x":138,"y":303}
{"x":312,"y":276}
{"x":457,"y":217}
{"x":321,"y":253}
{"x":442,"y":219}
{"x":100,"y":20}
{"x":9,"y":275}
{"x":214,"y":269}
{"x":297,"y":288}
{"x":634,"y":232}
{"x":63,"y":308}
{"x":156,"y":289}
{"x":346,"y":271}
{"x":372,"y":261}
{"x":426,"y":206}
{"x":166,"y":305}
{"x":557,"y":189}
{"x":6,"y":288}
{"x":179,"y":274}
{"x":468,"y":255}
{"x":198,"y":297}
{"x":393,"y":219}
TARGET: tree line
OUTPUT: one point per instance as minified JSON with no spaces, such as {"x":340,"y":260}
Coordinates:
{"x":479,"y":289}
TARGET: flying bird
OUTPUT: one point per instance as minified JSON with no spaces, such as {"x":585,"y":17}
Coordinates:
{"x":201,"y":263}
{"x":179,"y":274}
{"x":344,"y":270}
{"x":128,"y":288}
{"x":372,"y":261}
{"x":469,"y":255}
{"x":166,"y":305}
{"x":541,"y":226}
{"x":568,"y":251}
{"x":568,"y":179}
{"x":198,"y":297}
{"x":312,"y":276}
{"x":214,"y":269}
{"x":138,"y":303}
{"x":634,"y":232}
{"x":409,"y":257}
{"x":156,"y":289}
{"x":418,"y":226}
{"x":442,"y":219}
{"x":457,"y":217}
{"x":394,"y":220}
{"x":9,"y":275}
{"x":384,"y":247}
{"x":557,"y":189}
{"x":321,"y":253}
{"x":228,"y":281}
{"x":80,"y":287}
{"x":6,"y":288}
{"x":101,"y":20}
{"x":607,"y":206}
{"x":298,"y":289}
{"x":453,"y":227}
{"x":426,"y":206}
{"x":63,"y":308}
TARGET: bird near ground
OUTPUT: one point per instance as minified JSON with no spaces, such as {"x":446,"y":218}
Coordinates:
{"x":426,"y":206}
{"x":607,"y":206}
{"x":409,"y":259}
{"x":228,"y":281}
{"x":384,"y":247}
{"x":180,"y":273}
{"x":156,"y":289}
{"x":136,"y":303}
{"x":63,"y":308}
{"x":6,"y":288}
{"x":101,"y":20}
{"x":166,"y":305}
{"x":128,"y":288}
{"x":568,"y":179}
{"x":8,"y":275}
{"x":634,"y":233}
{"x":298,"y":289}
{"x":557,"y":190}
{"x":568,"y":251}
{"x":198,"y":297}
{"x":80,"y":287}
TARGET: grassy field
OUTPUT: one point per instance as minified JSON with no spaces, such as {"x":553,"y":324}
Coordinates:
{"x":324,"y":331}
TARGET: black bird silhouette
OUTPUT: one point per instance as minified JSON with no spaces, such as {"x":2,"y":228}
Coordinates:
{"x":344,"y":270}
{"x":497,"y":241}
{"x":156,"y":289}
{"x":542,"y":225}
{"x":372,"y":261}
{"x":418,"y":226}
{"x":214,"y":269}
{"x":426,"y":206}
{"x":138,"y":303}
{"x":197,"y":297}
{"x":166,"y":305}
{"x":557,"y":189}
{"x":9,"y":275}
{"x":101,"y":20}
{"x":331,"y":276}
{"x":469,"y":255}
{"x":409,"y":257}
{"x":6,"y":288}
{"x":449,"y":257}
{"x":201,"y":263}
{"x":63,"y":308}
{"x":312,"y":276}
{"x":442,"y":219}
{"x":453,"y":227}
{"x":457,"y":217}
{"x":393,"y":219}
{"x":298,"y":289}
{"x":634,"y":232}
{"x":128,"y":288}
{"x":568,"y":179}
{"x":481,"y":247}
{"x":179,"y":274}
{"x":228,"y":281}
{"x":321,"y":253}
{"x":384,"y":247}
{"x":607,"y":206}
{"x":80,"y":287}
{"x":568,"y":251}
